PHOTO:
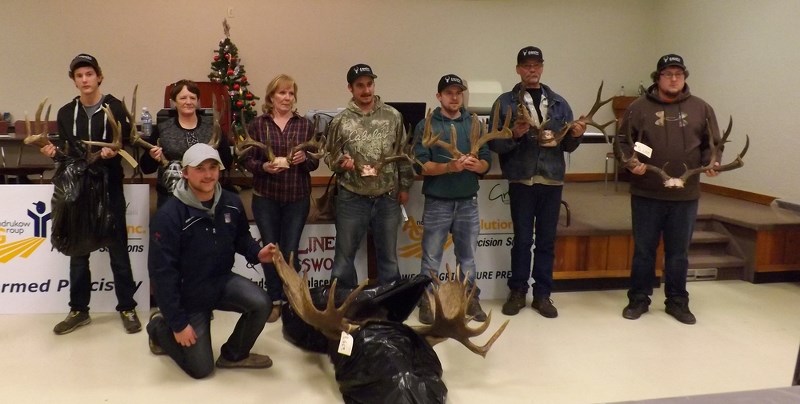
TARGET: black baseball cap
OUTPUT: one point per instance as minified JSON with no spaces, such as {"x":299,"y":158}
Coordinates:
{"x":529,"y":52}
{"x":82,"y":60}
{"x":670,"y":60}
{"x":359,"y":70}
{"x":450,"y":80}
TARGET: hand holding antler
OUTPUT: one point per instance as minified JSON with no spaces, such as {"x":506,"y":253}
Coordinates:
{"x":108,"y":149}
{"x":38,"y":136}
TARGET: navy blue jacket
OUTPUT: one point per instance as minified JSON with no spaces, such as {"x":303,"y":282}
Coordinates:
{"x":522,"y":158}
{"x":191,"y":255}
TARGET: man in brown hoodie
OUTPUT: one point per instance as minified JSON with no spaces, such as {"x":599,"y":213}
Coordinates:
{"x":670,"y":129}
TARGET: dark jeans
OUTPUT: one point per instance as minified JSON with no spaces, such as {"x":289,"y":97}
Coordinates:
{"x":354,"y":215}
{"x":280,"y":223}
{"x":652,"y":218}
{"x":534,"y":210}
{"x":239,"y":295}
{"x":80,"y":277}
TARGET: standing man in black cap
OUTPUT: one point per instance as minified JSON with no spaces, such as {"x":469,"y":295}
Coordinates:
{"x":535,"y":173}
{"x":670,"y":127}
{"x":84,"y":119}
{"x":369,"y":192}
{"x":451,"y":190}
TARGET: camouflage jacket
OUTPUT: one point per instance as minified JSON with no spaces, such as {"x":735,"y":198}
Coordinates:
{"x":367,"y":137}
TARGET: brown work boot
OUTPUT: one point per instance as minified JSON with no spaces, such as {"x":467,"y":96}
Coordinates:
{"x":74,"y":320}
{"x":253,"y":361}
{"x":130,"y":321}
{"x":275,"y":313}
{"x":475,"y":310}
{"x":515,"y":302}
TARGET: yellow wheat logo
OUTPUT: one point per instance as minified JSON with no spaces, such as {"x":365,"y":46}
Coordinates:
{"x":414,"y":231}
{"x":20,"y":248}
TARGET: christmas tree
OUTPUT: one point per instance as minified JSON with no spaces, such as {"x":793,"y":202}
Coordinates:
{"x":227,"y":69}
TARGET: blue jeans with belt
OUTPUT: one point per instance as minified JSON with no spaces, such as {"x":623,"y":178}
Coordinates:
{"x":281,"y":223}
{"x":534,"y":210}
{"x":652,"y":218}
{"x":442,"y":217}
{"x":239,"y":295}
{"x":355,"y":214}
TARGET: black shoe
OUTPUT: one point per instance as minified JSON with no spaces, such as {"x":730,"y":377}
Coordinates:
{"x":74,"y":320}
{"x":154,"y":347}
{"x":515,"y":302}
{"x":130,"y":321}
{"x":544,"y":305}
{"x":475,"y":310}
{"x":635,"y":308}
{"x":678,"y":307}
{"x":425,"y":314}
{"x":252,"y":361}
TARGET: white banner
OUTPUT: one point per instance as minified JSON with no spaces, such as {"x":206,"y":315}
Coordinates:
{"x":493,"y":257}
{"x":316,"y":255}
{"x":34,"y":278}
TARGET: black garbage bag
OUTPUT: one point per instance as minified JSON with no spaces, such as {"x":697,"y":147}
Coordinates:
{"x":81,"y":220}
{"x":390,"y":363}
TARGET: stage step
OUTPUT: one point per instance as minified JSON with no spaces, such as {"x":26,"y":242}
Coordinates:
{"x":711,"y":254}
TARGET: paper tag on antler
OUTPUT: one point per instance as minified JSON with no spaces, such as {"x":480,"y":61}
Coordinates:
{"x":346,"y":344}
{"x":644,"y":149}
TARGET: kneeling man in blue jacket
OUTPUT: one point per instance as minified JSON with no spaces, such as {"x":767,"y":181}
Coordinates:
{"x":193,"y":240}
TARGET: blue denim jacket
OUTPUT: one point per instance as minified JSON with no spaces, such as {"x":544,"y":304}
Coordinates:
{"x":522,"y":158}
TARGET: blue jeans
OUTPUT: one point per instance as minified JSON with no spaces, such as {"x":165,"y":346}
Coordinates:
{"x":652,"y":218}
{"x":448,"y":216}
{"x":280,"y":223}
{"x":354,"y":215}
{"x":534,"y":209}
{"x":80,"y":277}
{"x":239,"y":295}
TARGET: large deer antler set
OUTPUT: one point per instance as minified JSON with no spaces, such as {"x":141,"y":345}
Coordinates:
{"x":450,"y":300}
{"x":315,"y":147}
{"x":680,"y":182}
{"x":478,"y":136}
{"x":547,"y":138}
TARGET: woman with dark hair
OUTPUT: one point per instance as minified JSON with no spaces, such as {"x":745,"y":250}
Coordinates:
{"x":174,"y":136}
{"x":281,"y":195}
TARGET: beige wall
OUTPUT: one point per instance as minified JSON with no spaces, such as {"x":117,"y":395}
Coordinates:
{"x":738,"y":51}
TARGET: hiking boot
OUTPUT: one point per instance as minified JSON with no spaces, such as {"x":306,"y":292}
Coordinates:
{"x":544,"y":305}
{"x":425,"y":314}
{"x":515,"y":302}
{"x":635,"y":308}
{"x":154,"y":347}
{"x":74,"y":320}
{"x":678,"y":307}
{"x":130,"y":321}
{"x":275,"y":313}
{"x":475,"y":311}
{"x":254,"y":361}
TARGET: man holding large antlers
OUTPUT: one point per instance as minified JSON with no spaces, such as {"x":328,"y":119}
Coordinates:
{"x":533,"y":163}
{"x":671,"y":129}
{"x":450,"y":187}
{"x":363,"y":141}
{"x":86,"y":119}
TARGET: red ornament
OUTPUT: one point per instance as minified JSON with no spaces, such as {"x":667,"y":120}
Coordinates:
{"x":216,"y":58}
{"x":253,"y":103}
{"x":239,"y":104}
{"x":244,"y":79}
{"x":236,"y":87}
{"x":249,"y":96}
{"x":230,"y":72}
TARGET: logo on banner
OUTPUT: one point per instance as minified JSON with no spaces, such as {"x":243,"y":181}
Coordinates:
{"x":24,"y":247}
{"x":413,"y":230}
{"x":498,"y":192}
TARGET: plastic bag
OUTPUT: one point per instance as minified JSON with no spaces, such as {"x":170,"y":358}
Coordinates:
{"x":81,"y":221}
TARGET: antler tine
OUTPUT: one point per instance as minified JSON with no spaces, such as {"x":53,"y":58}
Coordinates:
{"x":331,"y":321}
{"x":633,"y":160}
{"x":736,"y":163}
{"x":589,"y":118}
{"x":116,"y":132}
{"x":38,"y":137}
{"x":243,"y":146}
{"x":504,"y":133}
{"x":216,"y":132}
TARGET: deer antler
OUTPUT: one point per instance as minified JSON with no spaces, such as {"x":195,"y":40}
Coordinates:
{"x":450,"y":300}
{"x":525,"y":115}
{"x":680,"y":182}
{"x":477,"y":139}
{"x":216,"y":132}
{"x":401,"y":153}
{"x":244,"y":143}
{"x":38,"y":136}
{"x":331,"y":322}
{"x":430,"y":139}
{"x":116,"y":137}
{"x":316,"y":143}
{"x":588,"y":119}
